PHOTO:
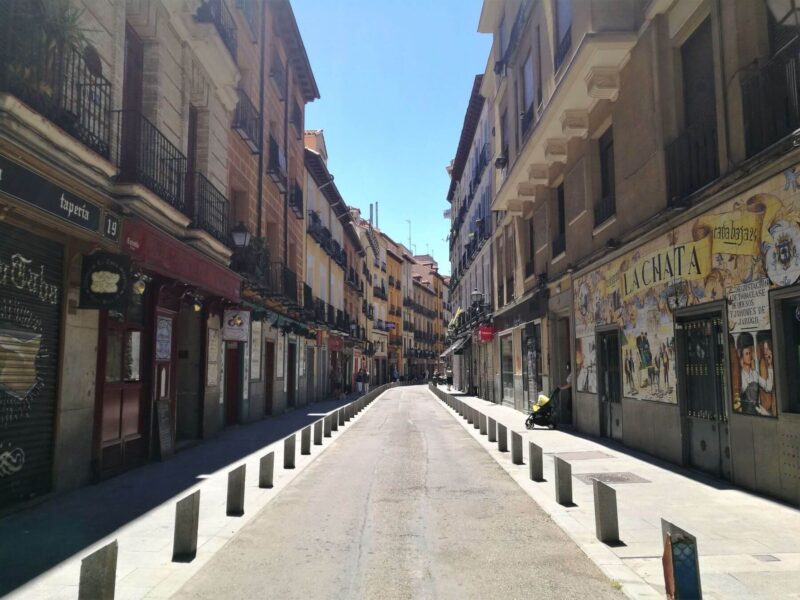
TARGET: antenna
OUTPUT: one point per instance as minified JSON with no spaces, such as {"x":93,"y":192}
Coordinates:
{"x":409,"y":232}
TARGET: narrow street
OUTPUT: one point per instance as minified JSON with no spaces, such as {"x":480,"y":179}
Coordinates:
{"x":405,"y":505}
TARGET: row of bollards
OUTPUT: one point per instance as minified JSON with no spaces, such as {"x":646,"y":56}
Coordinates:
{"x":681,"y":565}
{"x":99,"y":569}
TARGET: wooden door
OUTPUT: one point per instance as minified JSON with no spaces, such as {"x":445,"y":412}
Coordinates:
{"x":232,"y":376}
{"x":269,"y":376}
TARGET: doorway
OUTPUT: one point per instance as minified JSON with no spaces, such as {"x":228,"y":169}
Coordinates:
{"x":188,"y":404}
{"x":291,"y":375}
{"x":701,"y":392}
{"x":609,"y":383}
{"x":269,"y":376}
{"x":310,"y":379}
{"x":232,"y":387}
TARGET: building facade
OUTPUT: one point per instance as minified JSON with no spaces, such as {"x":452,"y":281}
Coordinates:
{"x":649,"y":183}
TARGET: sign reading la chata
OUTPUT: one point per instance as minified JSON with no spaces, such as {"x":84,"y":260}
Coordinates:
{"x":24,"y":185}
{"x":105,"y":281}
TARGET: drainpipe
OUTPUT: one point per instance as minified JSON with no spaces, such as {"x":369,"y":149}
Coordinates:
{"x":286,"y":151}
{"x":260,"y":184}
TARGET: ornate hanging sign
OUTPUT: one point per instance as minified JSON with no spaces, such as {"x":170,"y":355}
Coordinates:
{"x":105,"y":281}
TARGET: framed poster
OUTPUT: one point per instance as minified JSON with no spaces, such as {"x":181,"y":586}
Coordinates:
{"x":164,"y":338}
{"x":280,"y":348}
{"x":212,"y":365}
{"x":256,"y":342}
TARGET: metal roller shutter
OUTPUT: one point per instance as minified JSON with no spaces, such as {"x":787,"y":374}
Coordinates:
{"x":30,"y":318}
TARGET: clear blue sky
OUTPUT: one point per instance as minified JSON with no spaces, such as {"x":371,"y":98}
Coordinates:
{"x":394,"y":79}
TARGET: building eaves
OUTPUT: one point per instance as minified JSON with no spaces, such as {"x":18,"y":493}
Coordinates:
{"x":285,"y":26}
{"x":471,"y":119}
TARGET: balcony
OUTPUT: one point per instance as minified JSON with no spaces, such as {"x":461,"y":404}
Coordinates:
{"x":308,"y":301}
{"x":61,"y":83}
{"x":331,"y":315}
{"x":217,"y":13}
{"x":319,"y":311}
{"x":379,"y":292}
{"x":147,"y":157}
{"x":771,"y":100}
{"x":211,"y":209}
{"x":247,"y":122}
{"x":296,"y":199}
{"x":276,"y":165}
{"x":692,"y":161}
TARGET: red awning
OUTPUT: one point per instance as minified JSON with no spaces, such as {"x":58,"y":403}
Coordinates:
{"x":156,"y":251}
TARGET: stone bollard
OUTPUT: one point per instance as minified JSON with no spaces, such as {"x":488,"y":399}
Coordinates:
{"x":502,"y":438}
{"x":235,"y":504}
{"x":305,"y":441}
{"x":341,"y":416}
{"x":318,"y":433}
{"x":606,"y":525}
{"x":536,"y":463}
{"x":563,"y":482}
{"x":491,"y":429}
{"x":99,"y":574}
{"x":288,"y":452}
{"x":460,"y":408}
{"x":516,"y":448}
{"x":266,"y":470}
{"x":334,"y":416}
{"x":470,"y":415}
{"x":482,"y":423}
{"x":476,"y":419}
{"x":187,"y":518}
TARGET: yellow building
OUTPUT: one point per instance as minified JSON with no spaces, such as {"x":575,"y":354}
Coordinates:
{"x":394,"y":269}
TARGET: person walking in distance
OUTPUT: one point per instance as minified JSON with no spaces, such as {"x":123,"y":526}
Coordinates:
{"x":360,"y":381}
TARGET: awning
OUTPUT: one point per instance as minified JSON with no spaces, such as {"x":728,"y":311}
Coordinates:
{"x":455,"y":347}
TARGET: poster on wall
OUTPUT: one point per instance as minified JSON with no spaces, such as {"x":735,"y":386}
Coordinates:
{"x":279,"y":350}
{"x":752,"y":374}
{"x":164,"y":338}
{"x":738,"y":251}
{"x":212,"y":366}
{"x":246,"y":372}
{"x":586,"y":365}
{"x":255,"y":350}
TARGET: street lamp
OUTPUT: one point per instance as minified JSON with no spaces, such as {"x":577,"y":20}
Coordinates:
{"x":477,"y":297}
{"x":240,"y":235}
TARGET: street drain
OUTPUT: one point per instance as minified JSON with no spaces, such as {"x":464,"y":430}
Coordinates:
{"x":611,"y":478}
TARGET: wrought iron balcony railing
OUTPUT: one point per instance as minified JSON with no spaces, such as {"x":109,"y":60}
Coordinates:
{"x":692,"y":161}
{"x":247,"y":122}
{"x":211,"y":209}
{"x":62,"y":83}
{"x":146,"y":156}
{"x":296,"y":199}
{"x":771,"y":100}
{"x":281,"y":282}
{"x":217,"y":13}
{"x":276,"y":166}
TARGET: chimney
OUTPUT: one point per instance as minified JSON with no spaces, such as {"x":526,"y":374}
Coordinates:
{"x":370,"y":214}
{"x":376,"y":216}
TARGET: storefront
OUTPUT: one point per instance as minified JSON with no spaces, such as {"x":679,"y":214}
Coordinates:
{"x":686,"y":346}
{"x":47,"y":356}
{"x":173,"y":366}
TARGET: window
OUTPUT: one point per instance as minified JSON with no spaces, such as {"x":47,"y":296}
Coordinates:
{"x":526,"y":101}
{"x":507,"y":368}
{"x":538,"y":73}
{"x":559,"y":232}
{"x":530,"y":259}
{"x":502,"y":36}
{"x":784,"y":23}
{"x":606,"y":207}
{"x":563,"y":14}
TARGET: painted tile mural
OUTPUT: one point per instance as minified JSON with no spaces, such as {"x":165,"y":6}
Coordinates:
{"x":738,"y":251}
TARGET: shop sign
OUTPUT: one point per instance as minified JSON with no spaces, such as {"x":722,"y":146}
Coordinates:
{"x":236,"y":326}
{"x":164,"y":338}
{"x":335,"y":343}
{"x":486,"y":333}
{"x":748,"y":306}
{"x":105,"y":281}
{"x":28,"y":187}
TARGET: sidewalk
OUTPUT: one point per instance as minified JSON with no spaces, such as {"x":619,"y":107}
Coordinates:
{"x":749,"y":546}
{"x":41,"y":548}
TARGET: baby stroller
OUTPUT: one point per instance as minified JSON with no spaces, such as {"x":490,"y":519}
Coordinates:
{"x":542,"y":413}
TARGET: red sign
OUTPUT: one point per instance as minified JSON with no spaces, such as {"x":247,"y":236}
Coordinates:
{"x":156,"y":251}
{"x":335,"y":343}
{"x":486,"y":333}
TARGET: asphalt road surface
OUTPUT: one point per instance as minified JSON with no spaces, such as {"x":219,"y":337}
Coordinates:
{"x":404,"y":505}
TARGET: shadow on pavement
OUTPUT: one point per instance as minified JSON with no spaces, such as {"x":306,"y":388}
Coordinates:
{"x":35,"y":540}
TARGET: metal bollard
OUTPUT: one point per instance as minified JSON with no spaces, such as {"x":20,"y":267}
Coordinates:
{"x":334,"y":416}
{"x":536,"y":463}
{"x":476,"y":419}
{"x":606,"y":524}
{"x":99,"y":574}
{"x":502,"y":438}
{"x":491,"y":429}
{"x":235,"y":504}
{"x":341,"y":416}
{"x":187,"y":518}
{"x":482,"y":424}
{"x":266,"y":470}
{"x":305,"y":441}
{"x":563,"y":482}
{"x":516,"y":448}
{"x":288,"y":452}
{"x":318,"y":432}
{"x":470,"y":415}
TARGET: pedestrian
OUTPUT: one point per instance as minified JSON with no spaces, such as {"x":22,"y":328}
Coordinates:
{"x":366,"y":379}
{"x":449,"y":375}
{"x":395,"y":374}
{"x":339,"y":381}
{"x":360,"y":381}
